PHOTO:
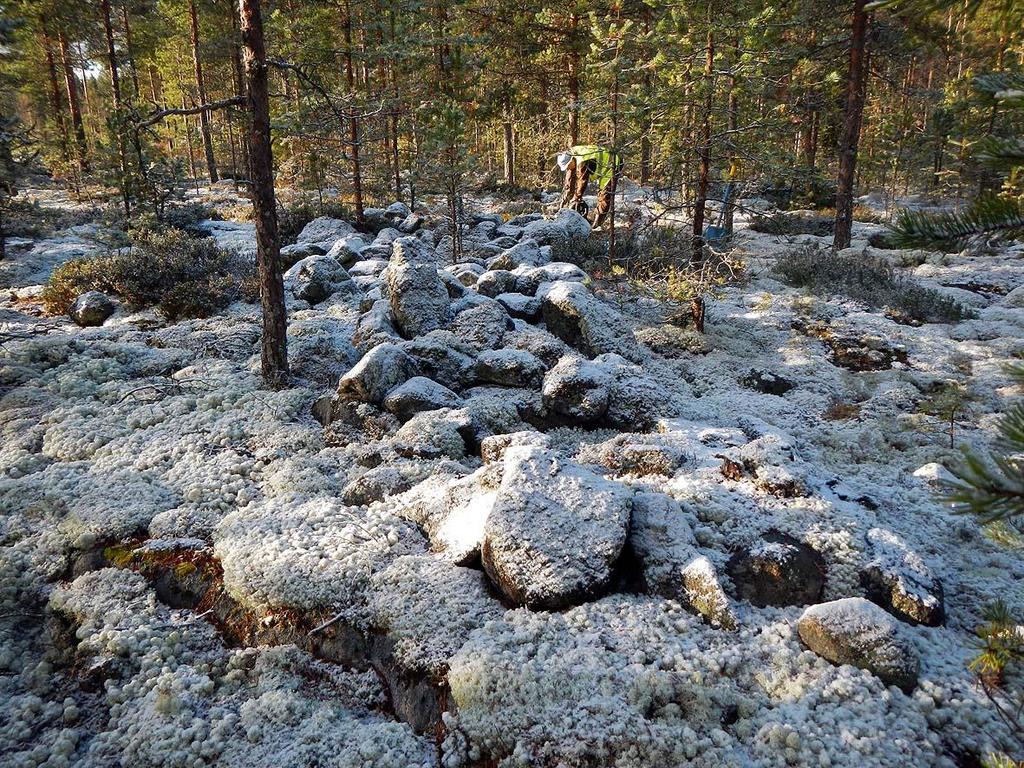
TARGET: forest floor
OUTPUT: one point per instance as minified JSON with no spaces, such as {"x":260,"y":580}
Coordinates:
{"x":195,"y":571}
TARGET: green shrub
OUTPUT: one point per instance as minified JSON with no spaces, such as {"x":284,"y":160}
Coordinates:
{"x":181,"y":275}
{"x":869,"y":280}
{"x":781,"y":223}
{"x":187,"y":216}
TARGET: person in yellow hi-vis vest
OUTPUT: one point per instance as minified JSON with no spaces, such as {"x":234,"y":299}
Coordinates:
{"x":582,"y":163}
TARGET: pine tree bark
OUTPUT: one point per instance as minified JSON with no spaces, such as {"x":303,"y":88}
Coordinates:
{"x":574,"y":83}
{"x":56,"y":105}
{"x":130,"y":50}
{"x":856,"y":90}
{"x":508,"y":150}
{"x":236,"y":69}
{"x":353,"y":121}
{"x":204,"y":117}
{"x":71,"y":89}
{"x":274,"y":352}
{"x":115,"y":90}
{"x":704,"y":173}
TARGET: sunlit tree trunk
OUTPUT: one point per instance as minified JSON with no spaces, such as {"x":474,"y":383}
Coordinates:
{"x":856,"y":89}
{"x":353,"y":121}
{"x":204,"y":116}
{"x":274,"y":350}
{"x":71,"y":89}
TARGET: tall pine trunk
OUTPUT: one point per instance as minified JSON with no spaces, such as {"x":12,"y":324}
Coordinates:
{"x":204,"y":116}
{"x":71,"y":89}
{"x":274,"y":351}
{"x":704,"y":172}
{"x":115,"y":90}
{"x":856,"y":88}
{"x":56,"y":104}
{"x":353,"y":120}
{"x":574,"y":83}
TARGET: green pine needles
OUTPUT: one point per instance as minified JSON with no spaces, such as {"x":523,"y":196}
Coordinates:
{"x":988,"y":216}
{"x":992,"y":486}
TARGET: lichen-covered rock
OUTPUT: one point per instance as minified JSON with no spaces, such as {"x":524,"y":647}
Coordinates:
{"x":509,"y":368}
{"x":419,"y":298}
{"x":296,"y":252}
{"x":427,"y":607}
{"x":315,"y":278}
{"x":419,"y":394}
{"x":442,"y":357}
{"x":547,"y":232}
{"x":555,"y":532}
{"x":635,"y":402}
{"x":899,"y":580}
{"x":481,"y":326}
{"x":703,"y":592}
{"x":767,"y":382}
{"x":634,"y":455}
{"x":91,"y":308}
{"x":324,"y":231}
{"x":380,"y":482}
{"x":381,"y":370}
{"x":578,"y":318}
{"x":778,"y":570}
{"x":375,"y":327}
{"x":577,"y":389}
{"x":495,"y":282}
{"x":434,"y":434}
{"x":857,"y":632}
{"x":492,"y":449}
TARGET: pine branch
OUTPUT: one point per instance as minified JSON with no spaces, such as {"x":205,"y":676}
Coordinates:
{"x":155,"y":117}
{"x":1002,"y":153}
{"x":987,"y":216}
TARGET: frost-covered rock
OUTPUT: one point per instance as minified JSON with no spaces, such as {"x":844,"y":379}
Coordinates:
{"x":91,"y":308}
{"x":348,"y":249}
{"x":635,"y":455}
{"x":383,"y":481}
{"x":375,"y":326}
{"x":509,"y":367}
{"x":315,"y":278}
{"x":575,"y":224}
{"x":419,"y":299}
{"x":555,"y":532}
{"x":661,"y":539}
{"x":381,"y":370}
{"x":777,"y":570}
{"x":496,"y":281}
{"x":857,"y":632}
{"x":577,"y":389}
{"x":547,"y":232}
{"x":897,"y":579}
{"x":520,"y":306}
{"x":703,"y":592}
{"x":428,"y":607}
{"x":419,"y":394}
{"x":324,"y":231}
{"x":291,"y":254}
{"x":578,"y":318}
{"x":411,"y":224}
{"x":492,"y":449}
{"x":439,"y":356}
{"x":435,"y":434}
{"x":525,"y":252}
{"x":481,"y":326}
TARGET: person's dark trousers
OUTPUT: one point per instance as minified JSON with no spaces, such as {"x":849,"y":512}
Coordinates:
{"x":577,"y":176}
{"x":604,"y":197}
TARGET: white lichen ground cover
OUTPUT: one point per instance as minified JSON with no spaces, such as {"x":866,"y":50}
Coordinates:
{"x":139,"y":430}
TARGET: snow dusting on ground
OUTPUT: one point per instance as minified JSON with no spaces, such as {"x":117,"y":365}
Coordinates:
{"x":576,"y":536}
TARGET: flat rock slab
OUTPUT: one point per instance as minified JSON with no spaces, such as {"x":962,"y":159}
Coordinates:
{"x":555,"y":531}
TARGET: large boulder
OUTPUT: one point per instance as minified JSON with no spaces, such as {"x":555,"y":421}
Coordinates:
{"x":857,"y":632}
{"x":296,"y":252}
{"x":419,"y":394}
{"x":525,"y":252}
{"x":897,"y":579}
{"x":375,"y":326}
{"x":496,"y":281}
{"x":315,"y":278}
{"x":555,"y":531}
{"x":577,"y":389}
{"x":578,"y":318}
{"x":441,"y":357}
{"x":547,"y":232}
{"x":91,"y":308}
{"x":778,"y":570}
{"x":482,"y":325}
{"x":419,"y":298}
{"x":325,"y":231}
{"x":381,"y":370}
{"x":348,"y":250}
{"x":576,"y":225}
{"x":509,"y":368}
{"x":434,"y":434}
